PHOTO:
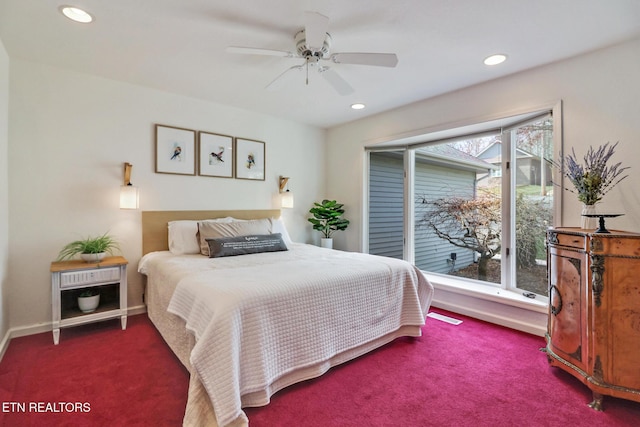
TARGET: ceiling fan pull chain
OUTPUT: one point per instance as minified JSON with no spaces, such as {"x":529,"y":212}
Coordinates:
{"x":307,"y":71}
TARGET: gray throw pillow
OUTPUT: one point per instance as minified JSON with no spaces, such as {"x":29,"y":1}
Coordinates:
{"x":243,"y":245}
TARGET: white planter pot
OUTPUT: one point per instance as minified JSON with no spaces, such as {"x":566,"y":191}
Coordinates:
{"x":93,"y":257}
{"x":586,"y":222}
{"x":88,"y":304}
{"x":326,"y":243}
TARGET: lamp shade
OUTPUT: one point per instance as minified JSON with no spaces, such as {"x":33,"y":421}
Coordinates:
{"x":286,"y":199}
{"x":129,"y":197}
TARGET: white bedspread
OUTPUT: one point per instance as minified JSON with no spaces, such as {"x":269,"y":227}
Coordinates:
{"x":258,"y":317}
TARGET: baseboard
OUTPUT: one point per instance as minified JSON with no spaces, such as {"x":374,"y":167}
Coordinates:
{"x":21,"y":332}
{"x":535,"y":327}
{"x":46,"y":327}
{"x":4,"y":344}
{"x":139,"y":309}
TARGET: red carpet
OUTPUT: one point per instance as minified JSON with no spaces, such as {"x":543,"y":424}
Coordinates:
{"x":128,"y":378}
{"x":474,"y":374}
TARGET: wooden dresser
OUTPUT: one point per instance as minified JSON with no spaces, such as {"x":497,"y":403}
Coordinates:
{"x":594,"y":310}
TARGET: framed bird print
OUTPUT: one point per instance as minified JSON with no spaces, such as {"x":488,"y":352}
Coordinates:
{"x":250,"y":163}
{"x":175,"y":150}
{"x":215,"y":155}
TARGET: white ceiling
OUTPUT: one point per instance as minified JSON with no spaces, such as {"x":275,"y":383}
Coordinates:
{"x":179,"y":45}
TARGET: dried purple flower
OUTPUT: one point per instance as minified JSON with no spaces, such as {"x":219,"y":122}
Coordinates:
{"x":594,"y":179}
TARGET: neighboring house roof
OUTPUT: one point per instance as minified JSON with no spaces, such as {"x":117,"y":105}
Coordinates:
{"x":493,"y":153}
{"x":444,"y":154}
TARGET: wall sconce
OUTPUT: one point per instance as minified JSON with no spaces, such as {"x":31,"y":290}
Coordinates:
{"x":129,"y":197}
{"x":286,"y":196}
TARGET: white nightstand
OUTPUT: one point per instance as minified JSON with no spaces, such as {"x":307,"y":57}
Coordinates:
{"x":69,"y":278}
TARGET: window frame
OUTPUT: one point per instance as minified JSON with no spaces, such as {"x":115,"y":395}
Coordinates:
{"x":503,"y":124}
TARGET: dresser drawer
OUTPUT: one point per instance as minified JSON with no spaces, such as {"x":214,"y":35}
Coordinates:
{"x":568,"y":240}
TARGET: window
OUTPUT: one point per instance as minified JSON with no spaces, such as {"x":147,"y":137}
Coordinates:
{"x":386,"y":202}
{"x":474,"y":206}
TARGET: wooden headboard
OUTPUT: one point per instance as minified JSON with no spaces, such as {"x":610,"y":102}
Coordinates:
{"x":154,"y":223}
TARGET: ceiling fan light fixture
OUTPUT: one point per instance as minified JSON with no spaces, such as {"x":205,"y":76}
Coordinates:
{"x":76,"y":14}
{"x":313,"y":44}
{"x":357,"y":106}
{"x":304,"y":50}
{"x":495,"y":59}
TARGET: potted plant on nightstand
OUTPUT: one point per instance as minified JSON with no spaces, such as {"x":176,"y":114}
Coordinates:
{"x":327,"y":218}
{"x":91,"y":249}
{"x":88,"y":300}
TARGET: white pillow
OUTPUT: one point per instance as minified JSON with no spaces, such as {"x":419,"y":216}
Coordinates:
{"x":182,"y":236}
{"x":279,"y":227}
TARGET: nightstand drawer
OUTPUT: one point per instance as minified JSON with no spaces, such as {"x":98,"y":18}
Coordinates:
{"x":85,"y":277}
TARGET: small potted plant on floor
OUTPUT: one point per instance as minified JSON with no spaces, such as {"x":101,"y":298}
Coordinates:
{"x":88,"y":300}
{"x":327,"y":218}
{"x":91,"y":249}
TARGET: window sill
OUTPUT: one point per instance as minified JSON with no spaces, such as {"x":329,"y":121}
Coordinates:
{"x":487,"y":292}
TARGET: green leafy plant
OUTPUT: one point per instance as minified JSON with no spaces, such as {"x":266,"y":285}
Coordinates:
{"x":327,"y":217}
{"x":88,"y":292}
{"x":90,"y":245}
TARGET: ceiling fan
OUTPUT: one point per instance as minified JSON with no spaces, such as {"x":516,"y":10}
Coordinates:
{"x":313,"y":44}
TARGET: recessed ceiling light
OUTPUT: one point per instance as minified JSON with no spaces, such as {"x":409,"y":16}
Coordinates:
{"x":495,"y":59}
{"x":357,"y":106}
{"x":76,"y":14}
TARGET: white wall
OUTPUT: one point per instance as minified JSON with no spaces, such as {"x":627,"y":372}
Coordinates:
{"x":599,"y":91}
{"x":68,"y":138}
{"x":600,"y":95}
{"x":4,"y":193}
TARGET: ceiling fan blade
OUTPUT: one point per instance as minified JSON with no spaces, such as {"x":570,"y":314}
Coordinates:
{"x":315,"y":28}
{"x":339,"y":84}
{"x":258,"y":51}
{"x":281,"y":81}
{"x":377,"y":59}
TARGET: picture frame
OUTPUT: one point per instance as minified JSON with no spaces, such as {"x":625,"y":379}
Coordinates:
{"x":215,"y":155}
{"x":175,"y":150}
{"x":250,"y":159}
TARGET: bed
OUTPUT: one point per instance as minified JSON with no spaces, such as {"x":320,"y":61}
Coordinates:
{"x":249,"y":325}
